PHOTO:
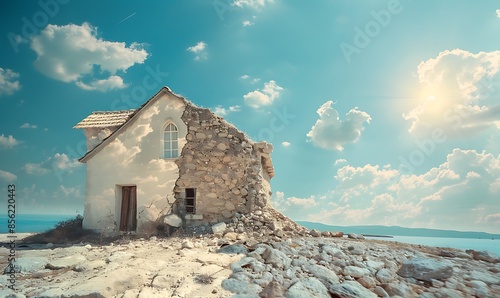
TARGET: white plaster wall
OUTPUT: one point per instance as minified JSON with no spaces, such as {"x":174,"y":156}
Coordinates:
{"x":135,"y":157}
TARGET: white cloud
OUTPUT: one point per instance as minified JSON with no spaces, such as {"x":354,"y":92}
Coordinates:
{"x":282,"y":204}
{"x":256,"y":4}
{"x":257,"y":98}
{"x":73,"y":53}
{"x":303,"y":202}
{"x":69,"y":192}
{"x":221,"y":111}
{"x":111,"y":83}
{"x":340,"y":161}
{"x":7,"y":176}
{"x":8,"y":142}
{"x":247,"y":77}
{"x":58,"y":163}
{"x":286,"y":144}
{"x":458,"y":194}
{"x":246,"y":23}
{"x":458,"y":84}
{"x":27,"y":125}
{"x":331,"y":133}
{"x":493,"y":218}
{"x":139,"y":131}
{"x":498,"y":13}
{"x":8,"y":82}
{"x":119,"y":151}
{"x":199,"y":50}
{"x":278,"y":201}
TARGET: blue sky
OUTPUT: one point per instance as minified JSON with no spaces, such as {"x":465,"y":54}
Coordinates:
{"x":380,"y":112}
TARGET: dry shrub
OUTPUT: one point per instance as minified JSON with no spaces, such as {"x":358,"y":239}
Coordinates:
{"x":70,"y":230}
{"x":204,"y":279}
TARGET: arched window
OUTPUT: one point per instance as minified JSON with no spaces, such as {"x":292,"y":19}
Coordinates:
{"x":170,"y":142}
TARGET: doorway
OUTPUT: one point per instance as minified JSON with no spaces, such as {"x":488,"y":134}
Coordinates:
{"x":128,"y":218}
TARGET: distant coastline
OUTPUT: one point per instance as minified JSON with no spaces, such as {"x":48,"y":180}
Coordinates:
{"x":377,"y":236}
{"x":399,"y":231}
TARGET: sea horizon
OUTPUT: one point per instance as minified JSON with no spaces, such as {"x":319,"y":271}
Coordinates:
{"x":37,"y":223}
{"x":478,"y":244}
{"x":33,"y":223}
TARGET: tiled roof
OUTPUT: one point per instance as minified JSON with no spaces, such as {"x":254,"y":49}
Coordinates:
{"x":105,"y":119}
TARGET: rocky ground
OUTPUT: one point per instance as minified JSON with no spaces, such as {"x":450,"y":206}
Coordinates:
{"x":260,"y":255}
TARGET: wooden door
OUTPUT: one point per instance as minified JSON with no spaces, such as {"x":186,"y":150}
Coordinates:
{"x":128,"y":219}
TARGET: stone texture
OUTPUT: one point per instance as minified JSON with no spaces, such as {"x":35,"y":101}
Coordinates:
{"x":173,"y":220}
{"x":355,"y":236}
{"x":219,"y":228}
{"x":326,"y":276}
{"x":219,"y":153}
{"x":28,"y":264}
{"x":356,"y":271}
{"x":350,"y":289}
{"x":66,"y":262}
{"x":426,"y":269}
{"x":484,"y":256}
{"x":307,"y":287}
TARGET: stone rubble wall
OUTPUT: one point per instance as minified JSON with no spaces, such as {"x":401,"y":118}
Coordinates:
{"x":229,"y":171}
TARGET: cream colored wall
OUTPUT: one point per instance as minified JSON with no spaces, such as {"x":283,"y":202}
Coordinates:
{"x":135,"y":157}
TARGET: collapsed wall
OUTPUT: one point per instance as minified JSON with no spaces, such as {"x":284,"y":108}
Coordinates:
{"x":229,"y":171}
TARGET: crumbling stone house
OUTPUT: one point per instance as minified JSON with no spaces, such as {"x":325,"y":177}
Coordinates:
{"x":170,"y":157}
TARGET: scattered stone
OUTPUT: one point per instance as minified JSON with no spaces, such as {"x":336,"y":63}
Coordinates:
{"x":367,"y":282}
{"x":241,"y":287}
{"x":380,"y":292}
{"x":219,"y":228}
{"x":315,"y":233}
{"x":385,"y":276}
{"x":484,"y":277}
{"x":272,"y":290}
{"x":28,"y":264}
{"x":65,"y":262}
{"x":173,"y":220}
{"x":398,"y":289}
{"x":337,"y":234}
{"x":426,"y":269}
{"x":233,"y":249}
{"x":326,"y":276}
{"x":325,"y":234}
{"x":350,"y":289}
{"x":119,"y":256}
{"x":484,"y":256}
{"x":307,"y":287}
{"x":187,"y":244}
{"x":355,"y":236}
{"x":356,"y":272}
{"x":231,"y":236}
{"x":276,"y":258}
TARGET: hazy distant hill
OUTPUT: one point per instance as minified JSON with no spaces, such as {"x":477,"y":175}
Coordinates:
{"x":398,"y":231}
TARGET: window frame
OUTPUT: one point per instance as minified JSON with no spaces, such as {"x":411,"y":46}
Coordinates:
{"x":190,"y":207}
{"x":172,"y":143}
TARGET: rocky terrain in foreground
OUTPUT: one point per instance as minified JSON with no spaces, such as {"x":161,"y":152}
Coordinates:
{"x":259,"y":255}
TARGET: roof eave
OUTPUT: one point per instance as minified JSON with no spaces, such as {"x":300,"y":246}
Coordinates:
{"x":112,"y":136}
